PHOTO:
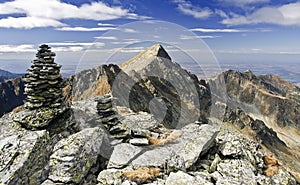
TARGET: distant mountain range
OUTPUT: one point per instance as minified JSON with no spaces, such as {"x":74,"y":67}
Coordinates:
{"x":4,"y":75}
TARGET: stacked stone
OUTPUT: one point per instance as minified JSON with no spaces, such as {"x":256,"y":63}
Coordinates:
{"x":109,"y":117}
{"x":43,"y":81}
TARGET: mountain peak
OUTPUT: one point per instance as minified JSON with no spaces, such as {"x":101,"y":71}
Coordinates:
{"x":156,"y":50}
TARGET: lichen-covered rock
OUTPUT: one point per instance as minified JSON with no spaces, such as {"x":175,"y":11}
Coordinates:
{"x":110,"y":177}
{"x":74,"y":156}
{"x":236,"y":172}
{"x":233,"y":145}
{"x":23,"y":154}
{"x":39,"y":118}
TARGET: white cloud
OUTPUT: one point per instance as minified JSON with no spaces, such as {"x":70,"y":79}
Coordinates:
{"x":106,"y":38}
{"x":190,"y":37}
{"x":29,"y":22}
{"x":129,"y":30}
{"x":53,"y":11}
{"x":187,"y":8}
{"x":75,"y":44}
{"x":23,"y":48}
{"x":127,"y":41}
{"x":85,"y":29}
{"x":205,"y":30}
{"x":286,"y":15}
{"x":106,"y":25}
{"x":68,"y":49}
{"x":244,"y":2}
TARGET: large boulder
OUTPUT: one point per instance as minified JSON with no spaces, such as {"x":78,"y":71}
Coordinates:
{"x":193,"y":140}
{"x":74,"y":157}
{"x":23,"y":153}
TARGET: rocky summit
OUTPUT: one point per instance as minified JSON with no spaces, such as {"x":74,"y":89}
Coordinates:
{"x":129,"y":126}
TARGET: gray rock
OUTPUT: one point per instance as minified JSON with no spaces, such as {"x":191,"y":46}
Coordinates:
{"x":235,"y":145}
{"x":123,"y":154}
{"x":139,"y":121}
{"x":74,"y":156}
{"x":110,"y":177}
{"x":236,"y":172}
{"x":203,"y":178}
{"x":180,"y":178}
{"x":39,"y":118}
{"x":23,"y":154}
{"x":188,"y":146}
{"x":283,"y":177}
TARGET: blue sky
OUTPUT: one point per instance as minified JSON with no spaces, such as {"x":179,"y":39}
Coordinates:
{"x":235,"y":30}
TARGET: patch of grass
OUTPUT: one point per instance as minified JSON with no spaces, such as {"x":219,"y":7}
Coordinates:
{"x":141,"y":174}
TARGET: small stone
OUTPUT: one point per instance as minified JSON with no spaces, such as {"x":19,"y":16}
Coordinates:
{"x":180,"y":178}
{"x":139,"y":141}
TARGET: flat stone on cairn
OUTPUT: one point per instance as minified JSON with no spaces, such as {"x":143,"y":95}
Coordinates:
{"x":43,"y":89}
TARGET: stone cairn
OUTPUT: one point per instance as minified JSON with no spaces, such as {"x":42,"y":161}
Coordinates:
{"x":109,"y":117}
{"x":43,"y":89}
{"x":43,"y":81}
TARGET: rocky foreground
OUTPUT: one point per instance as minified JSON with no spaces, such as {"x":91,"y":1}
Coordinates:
{"x":77,"y":149}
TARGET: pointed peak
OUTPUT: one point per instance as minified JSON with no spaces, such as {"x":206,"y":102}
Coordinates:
{"x":158,"y":50}
{"x":154,"y":51}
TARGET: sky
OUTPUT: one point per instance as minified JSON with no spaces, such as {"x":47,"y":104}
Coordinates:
{"x":89,"y":31}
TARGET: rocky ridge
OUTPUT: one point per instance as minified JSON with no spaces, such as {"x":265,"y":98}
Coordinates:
{"x":267,"y":106}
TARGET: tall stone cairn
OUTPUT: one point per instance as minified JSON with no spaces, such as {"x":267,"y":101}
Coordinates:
{"x":44,"y":102}
{"x":43,"y":81}
{"x":109,"y":117}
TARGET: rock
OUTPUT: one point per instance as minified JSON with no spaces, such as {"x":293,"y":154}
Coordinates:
{"x":188,"y":146}
{"x":236,"y":172}
{"x":123,"y":155}
{"x":283,"y":177}
{"x":203,"y":178}
{"x":110,"y":177}
{"x":39,"y":118}
{"x":73,"y":157}
{"x":139,"y":141}
{"x":180,"y":178}
{"x":234,"y":145}
{"x":23,"y":154}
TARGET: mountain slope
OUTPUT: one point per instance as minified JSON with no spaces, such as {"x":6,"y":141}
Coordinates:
{"x":273,"y":101}
{"x":180,"y":91}
{"x":11,"y":95}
